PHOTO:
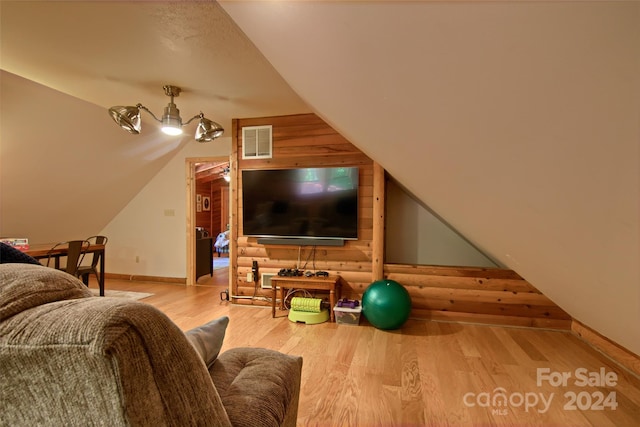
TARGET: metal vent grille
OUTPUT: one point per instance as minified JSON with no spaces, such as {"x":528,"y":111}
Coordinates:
{"x":265,"y":283}
{"x":256,"y":142}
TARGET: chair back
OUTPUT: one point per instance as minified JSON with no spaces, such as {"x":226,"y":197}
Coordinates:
{"x":99,"y":240}
{"x":75,"y":255}
{"x":76,"y":251}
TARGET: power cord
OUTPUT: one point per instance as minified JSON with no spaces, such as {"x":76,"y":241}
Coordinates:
{"x":312,"y":252}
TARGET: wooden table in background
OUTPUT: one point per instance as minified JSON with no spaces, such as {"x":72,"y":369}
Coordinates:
{"x":317,"y":283}
{"x":43,"y":251}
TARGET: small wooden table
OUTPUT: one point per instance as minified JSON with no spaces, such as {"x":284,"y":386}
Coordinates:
{"x":319,"y":283}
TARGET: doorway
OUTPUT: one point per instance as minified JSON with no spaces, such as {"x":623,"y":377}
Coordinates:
{"x":207,"y":203}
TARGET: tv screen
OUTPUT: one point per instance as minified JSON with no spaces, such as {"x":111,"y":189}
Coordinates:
{"x":301,"y":203}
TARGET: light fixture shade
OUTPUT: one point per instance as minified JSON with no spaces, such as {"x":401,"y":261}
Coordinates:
{"x":128,"y":118}
{"x":208,"y":130}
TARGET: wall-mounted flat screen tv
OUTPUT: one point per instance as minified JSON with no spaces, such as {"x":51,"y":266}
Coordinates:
{"x":300,"y":203}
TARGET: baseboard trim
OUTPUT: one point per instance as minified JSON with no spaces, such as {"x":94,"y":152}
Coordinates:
{"x":136,"y":278}
{"x":614,"y":351}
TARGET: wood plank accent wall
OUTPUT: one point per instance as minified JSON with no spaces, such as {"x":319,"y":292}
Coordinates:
{"x":216,"y":208}
{"x":203,"y":218}
{"x":302,"y":141}
{"x":476,"y":294}
{"x":211,"y":220}
{"x":492,"y":296}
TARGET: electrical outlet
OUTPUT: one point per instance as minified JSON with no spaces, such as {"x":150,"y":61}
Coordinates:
{"x":249,"y":277}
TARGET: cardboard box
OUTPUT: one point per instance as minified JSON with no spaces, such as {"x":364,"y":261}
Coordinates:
{"x":21,"y":243}
{"x":347,"y":316}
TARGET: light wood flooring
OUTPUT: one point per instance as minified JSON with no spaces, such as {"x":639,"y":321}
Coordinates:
{"x":426,"y":374}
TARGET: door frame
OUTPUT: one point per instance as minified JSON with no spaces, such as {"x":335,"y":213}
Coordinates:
{"x":190,"y":182}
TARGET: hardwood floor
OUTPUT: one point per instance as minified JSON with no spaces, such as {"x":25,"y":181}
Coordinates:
{"x":427,"y":373}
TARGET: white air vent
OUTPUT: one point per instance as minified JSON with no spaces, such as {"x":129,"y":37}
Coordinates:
{"x":256,"y":142}
{"x":265,"y":282}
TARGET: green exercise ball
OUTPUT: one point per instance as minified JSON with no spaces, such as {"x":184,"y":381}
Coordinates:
{"x":386,"y":304}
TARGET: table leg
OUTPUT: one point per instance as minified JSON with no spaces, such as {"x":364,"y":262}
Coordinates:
{"x":101,"y":284}
{"x":332,"y":297}
{"x":273,"y":300}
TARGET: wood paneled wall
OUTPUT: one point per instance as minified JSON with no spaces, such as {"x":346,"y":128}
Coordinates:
{"x":476,"y":294}
{"x":203,"y":218}
{"x":216,"y":208}
{"x":211,"y":219}
{"x":302,"y":141}
{"x":493,"y":296}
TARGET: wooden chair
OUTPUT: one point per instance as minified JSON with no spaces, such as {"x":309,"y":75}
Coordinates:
{"x":84,"y":271}
{"x":75,"y":254}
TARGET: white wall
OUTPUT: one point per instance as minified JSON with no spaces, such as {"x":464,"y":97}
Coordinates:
{"x":65,"y":168}
{"x":414,"y":235}
{"x":149,"y":236}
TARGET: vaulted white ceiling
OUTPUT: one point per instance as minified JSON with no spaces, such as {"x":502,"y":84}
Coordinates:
{"x":516,"y":122}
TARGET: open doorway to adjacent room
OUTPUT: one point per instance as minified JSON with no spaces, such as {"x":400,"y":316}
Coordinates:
{"x":208,"y":221}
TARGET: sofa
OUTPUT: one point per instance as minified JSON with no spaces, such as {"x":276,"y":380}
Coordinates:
{"x":69,"y":358}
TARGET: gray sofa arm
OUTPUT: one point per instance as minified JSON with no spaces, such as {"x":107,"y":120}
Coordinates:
{"x":86,"y":360}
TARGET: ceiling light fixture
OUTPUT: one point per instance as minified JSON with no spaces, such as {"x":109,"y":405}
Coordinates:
{"x":128,"y":118}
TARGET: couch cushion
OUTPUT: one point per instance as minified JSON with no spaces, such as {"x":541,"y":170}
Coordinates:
{"x":207,"y":339}
{"x":24,"y":286}
{"x":264,"y":380}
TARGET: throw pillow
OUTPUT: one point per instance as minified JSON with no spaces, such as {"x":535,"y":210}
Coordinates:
{"x":207,"y":339}
{"x":9,"y":254}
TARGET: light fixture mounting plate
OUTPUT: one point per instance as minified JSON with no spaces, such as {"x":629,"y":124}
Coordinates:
{"x":171,"y":90}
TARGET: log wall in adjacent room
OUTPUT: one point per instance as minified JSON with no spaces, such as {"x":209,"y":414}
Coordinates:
{"x":211,"y":220}
{"x":483,"y":295}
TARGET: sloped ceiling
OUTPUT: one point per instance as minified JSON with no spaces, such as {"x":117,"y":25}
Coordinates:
{"x":516,"y":122}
